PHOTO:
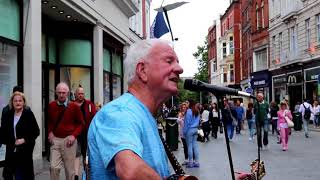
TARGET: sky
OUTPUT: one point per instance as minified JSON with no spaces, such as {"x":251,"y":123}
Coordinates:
{"x":190,"y":23}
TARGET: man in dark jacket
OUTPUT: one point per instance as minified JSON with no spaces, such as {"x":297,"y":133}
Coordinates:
{"x":261,"y":109}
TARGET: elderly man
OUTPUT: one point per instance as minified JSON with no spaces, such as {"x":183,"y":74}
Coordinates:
{"x":64,"y":126}
{"x":261,"y":109}
{"x":123,"y":138}
{"x":88,"y":111}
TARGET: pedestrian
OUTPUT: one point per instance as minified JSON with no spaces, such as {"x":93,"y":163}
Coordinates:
{"x":274,"y":108}
{"x":240,"y":112}
{"x":64,"y":126}
{"x":214,"y":119}
{"x":282,"y":124}
{"x":191,"y":125}
{"x":181,"y":115}
{"x":305,"y":110}
{"x":205,"y":123}
{"x":88,"y":111}
{"x":123,"y":137}
{"x":19,"y":131}
{"x":261,"y":109}
{"x":98,"y":106}
{"x":229,"y":115}
{"x":315,"y":110}
{"x":251,"y":121}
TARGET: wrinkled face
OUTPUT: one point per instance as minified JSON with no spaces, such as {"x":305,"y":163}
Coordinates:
{"x":80,"y":94}
{"x":259,"y":97}
{"x":162,"y":70}
{"x":62,"y":92}
{"x":17,"y":102}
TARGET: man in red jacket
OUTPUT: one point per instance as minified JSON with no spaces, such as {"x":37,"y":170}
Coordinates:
{"x":64,"y":126}
{"x":88,"y":111}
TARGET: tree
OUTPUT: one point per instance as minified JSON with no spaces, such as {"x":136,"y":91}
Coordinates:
{"x":202,"y":57}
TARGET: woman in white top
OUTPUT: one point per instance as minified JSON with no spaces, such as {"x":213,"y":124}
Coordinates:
{"x":181,"y":115}
{"x":205,"y":122}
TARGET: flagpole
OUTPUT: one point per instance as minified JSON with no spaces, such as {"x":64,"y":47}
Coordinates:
{"x":167,"y":18}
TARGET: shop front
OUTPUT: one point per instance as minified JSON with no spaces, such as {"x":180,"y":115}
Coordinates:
{"x":312,"y":83}
{"x":10,"y":48}
{"x":294,"y":85}
{"x":261,"y":82}
{"x":279,"y":84}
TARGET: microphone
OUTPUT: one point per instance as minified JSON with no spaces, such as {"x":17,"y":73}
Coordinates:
{"x":196,"y":85}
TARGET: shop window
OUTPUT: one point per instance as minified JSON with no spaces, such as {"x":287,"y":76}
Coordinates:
{"x":106,"y":75}
{"x":116,"y":75}
{"x":75,"y":52}
{"x":43,"y":48}
{"x":52,"y":50}
{"x":75,"y":76}
{"x":8,"y":72}
{"x":10,"y":19}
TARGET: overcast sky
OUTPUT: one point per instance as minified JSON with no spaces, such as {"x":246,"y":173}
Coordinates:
{"x":190,"y":23}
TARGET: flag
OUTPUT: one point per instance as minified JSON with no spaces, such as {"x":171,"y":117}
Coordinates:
{"x":158,"y":27}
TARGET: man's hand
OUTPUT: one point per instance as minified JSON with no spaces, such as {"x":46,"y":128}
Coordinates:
{"x":20,"y":141}
{"x":70,"y":140}
{"x":50,"y":137}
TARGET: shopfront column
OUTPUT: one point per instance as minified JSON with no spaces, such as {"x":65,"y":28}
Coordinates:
{"x":98,"y":63}
{"x":32,"y":64}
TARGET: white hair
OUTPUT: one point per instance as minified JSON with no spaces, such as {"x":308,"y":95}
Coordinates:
{"x":136,"y":53}
{"x":62,"y":85}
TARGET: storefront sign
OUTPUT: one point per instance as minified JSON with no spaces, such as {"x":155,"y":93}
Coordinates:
{"x":295,"y":78}
{"x":260,"y":79}
{"x":280,"y":80}
{"x":312,"y":74}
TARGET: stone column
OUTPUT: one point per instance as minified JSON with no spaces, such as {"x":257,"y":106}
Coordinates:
{"x":98,"y":63}
{"x":32,"y":69}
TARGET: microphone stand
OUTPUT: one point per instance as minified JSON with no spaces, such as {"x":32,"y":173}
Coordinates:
{"x":221,"y":107}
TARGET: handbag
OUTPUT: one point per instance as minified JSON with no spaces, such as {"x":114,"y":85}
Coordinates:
{"x":200,"y":132}
{"x":288,"y":120}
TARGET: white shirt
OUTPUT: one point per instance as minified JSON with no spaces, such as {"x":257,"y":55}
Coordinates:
{"x":301,"y":109}
{"x":15,"y":122}
{"x":205,"y":116}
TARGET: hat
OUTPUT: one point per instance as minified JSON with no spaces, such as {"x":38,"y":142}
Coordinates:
{"x":17,"y":88}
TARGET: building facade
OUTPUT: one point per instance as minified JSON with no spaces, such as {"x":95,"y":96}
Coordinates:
{"x":230,"y":25}
{"x":294,"y":36}
{"x":79,"y":42}
{"x":260,"y":76}
{"x":212,"y":53}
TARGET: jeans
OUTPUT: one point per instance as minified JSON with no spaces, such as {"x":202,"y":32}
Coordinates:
{"x":251,"y":126}
{"x":305,"y":126}
{"x":316,"y":120}
{"x":192,"y":144}
{"x":230,"y":130}
{"x":265,"y":127}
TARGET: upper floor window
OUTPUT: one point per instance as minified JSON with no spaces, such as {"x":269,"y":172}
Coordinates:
{"x":293,"y":40}
{"x":224,"y":49}
{"x":231,"y":72}
{"x":274,"y":46}
{"x":308,"y":33}
{"x":231,"y":45}
{"x":280,"y":47}
{"x":318,"y":27}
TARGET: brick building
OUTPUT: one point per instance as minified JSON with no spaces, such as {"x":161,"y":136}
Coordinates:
{"x":212,"y":54}
{"x":230,"y":24}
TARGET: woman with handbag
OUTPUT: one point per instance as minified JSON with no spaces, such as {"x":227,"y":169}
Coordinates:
{"x":190,"y":131}
{"x":19,"y":131}
{"x":284,"y":123}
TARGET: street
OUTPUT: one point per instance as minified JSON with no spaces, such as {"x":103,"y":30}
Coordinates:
{"x":300,"y":162}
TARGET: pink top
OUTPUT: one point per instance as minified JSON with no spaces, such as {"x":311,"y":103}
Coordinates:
{"x":281,"y":118}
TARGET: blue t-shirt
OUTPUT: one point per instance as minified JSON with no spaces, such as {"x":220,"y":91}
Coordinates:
{"x":124,"y":124}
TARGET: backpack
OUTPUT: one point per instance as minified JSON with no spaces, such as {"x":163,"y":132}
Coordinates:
{"x":307,"y":112}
